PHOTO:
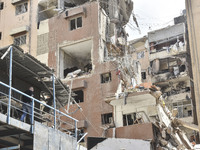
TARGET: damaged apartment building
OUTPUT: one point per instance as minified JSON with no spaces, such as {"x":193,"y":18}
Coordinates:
{"x":78,"y":43}
{"x":75,"y":38}
{"x":164,"y":61}
{"x":169,"y":67}
{"x":85,"y":43}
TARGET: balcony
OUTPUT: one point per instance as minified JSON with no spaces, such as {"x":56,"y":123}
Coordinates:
{"x":165,"y":52}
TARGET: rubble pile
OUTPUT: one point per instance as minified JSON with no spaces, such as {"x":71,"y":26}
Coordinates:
{"x":170,"y":136}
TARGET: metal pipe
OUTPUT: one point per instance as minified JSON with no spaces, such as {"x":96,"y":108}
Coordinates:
{"x":54,"y":101}
{"x":38,"y":101}
{"x":10,"y":86}
{"x":69,"y":98}
{"x":82,"y":138}
{"x":76,"y":129}
{"x":32,"y":114}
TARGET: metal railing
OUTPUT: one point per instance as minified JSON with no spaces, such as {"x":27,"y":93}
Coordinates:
{"x":12,"y":103}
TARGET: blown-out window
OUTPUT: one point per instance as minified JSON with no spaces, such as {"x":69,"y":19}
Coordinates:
{"x":106,"y":77}
{"x":106,"y":118}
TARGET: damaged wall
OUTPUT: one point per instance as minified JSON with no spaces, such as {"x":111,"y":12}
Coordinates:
{"x":139,"y":50}
{"x":143,"y":104}
{"x":85,"y":39}
{"x":169,"y":66}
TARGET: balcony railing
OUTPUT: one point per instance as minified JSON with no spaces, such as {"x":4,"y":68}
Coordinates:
{"x":51,"y":116}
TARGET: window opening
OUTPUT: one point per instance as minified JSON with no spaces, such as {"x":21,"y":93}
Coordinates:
{"x":79,"y":97}
{"x":1,"y":5}
{"x":20,"y":40}
{"x":107,"y":118}
{"x":106,"y":77}
{"x":76,"y":23}
{"x":22,"y":8}
{"x":128,"y":119}
{"x":79,"y":22}
{"x":143,"y":75}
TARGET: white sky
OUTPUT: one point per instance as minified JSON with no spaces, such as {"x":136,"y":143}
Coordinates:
{"x":152,"y":15}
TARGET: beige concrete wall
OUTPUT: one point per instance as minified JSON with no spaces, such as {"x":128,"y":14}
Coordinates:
{"x":9,"y":21}
{"x":193,"y":21}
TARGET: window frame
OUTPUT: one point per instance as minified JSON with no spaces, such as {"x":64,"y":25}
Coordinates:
{"x":20,"y":5}
{"x":107,"y":120}
{"x":76,"y":23}
{"x":78,"y":100}
{"x":20,"y":40}
{"x":127,"y":122}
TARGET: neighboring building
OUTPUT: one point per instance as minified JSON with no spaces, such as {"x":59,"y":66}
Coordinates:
{"x":193,"y":19}
{"x":18,"y":24}
{"x":169,"y":67}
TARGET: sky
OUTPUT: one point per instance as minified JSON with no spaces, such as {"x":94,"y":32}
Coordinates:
{"x":152,"y":15}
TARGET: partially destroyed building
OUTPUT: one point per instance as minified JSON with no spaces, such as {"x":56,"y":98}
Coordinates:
{"x":77,"y":39}
{"x":169,"y":67}
{"x":80,"y":43}
{"x":85,"y":43}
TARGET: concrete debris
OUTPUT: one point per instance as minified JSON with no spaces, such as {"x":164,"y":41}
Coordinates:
{"x":170,"y":136}
{"x":74,"y":74}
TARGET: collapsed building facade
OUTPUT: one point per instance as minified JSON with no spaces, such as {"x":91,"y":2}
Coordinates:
{"x":85,"y":43}
{"x":169,"y":63}
{"x":75,"y":38}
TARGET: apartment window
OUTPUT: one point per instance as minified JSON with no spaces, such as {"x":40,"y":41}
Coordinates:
{"x":128,"y":119}
{"x":106,"y":77}
{"x":20,"y":40}
{"x":143,"y":74}
{"x":107,"y":118}
{"x":76,"y":23}
{"x":79,"y":98}
{"x":21,"y":8}
{"x":189,"y":112}
{"x":140,"y":55}
{"x":0,"y":35}
{"x":1,"y":5}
